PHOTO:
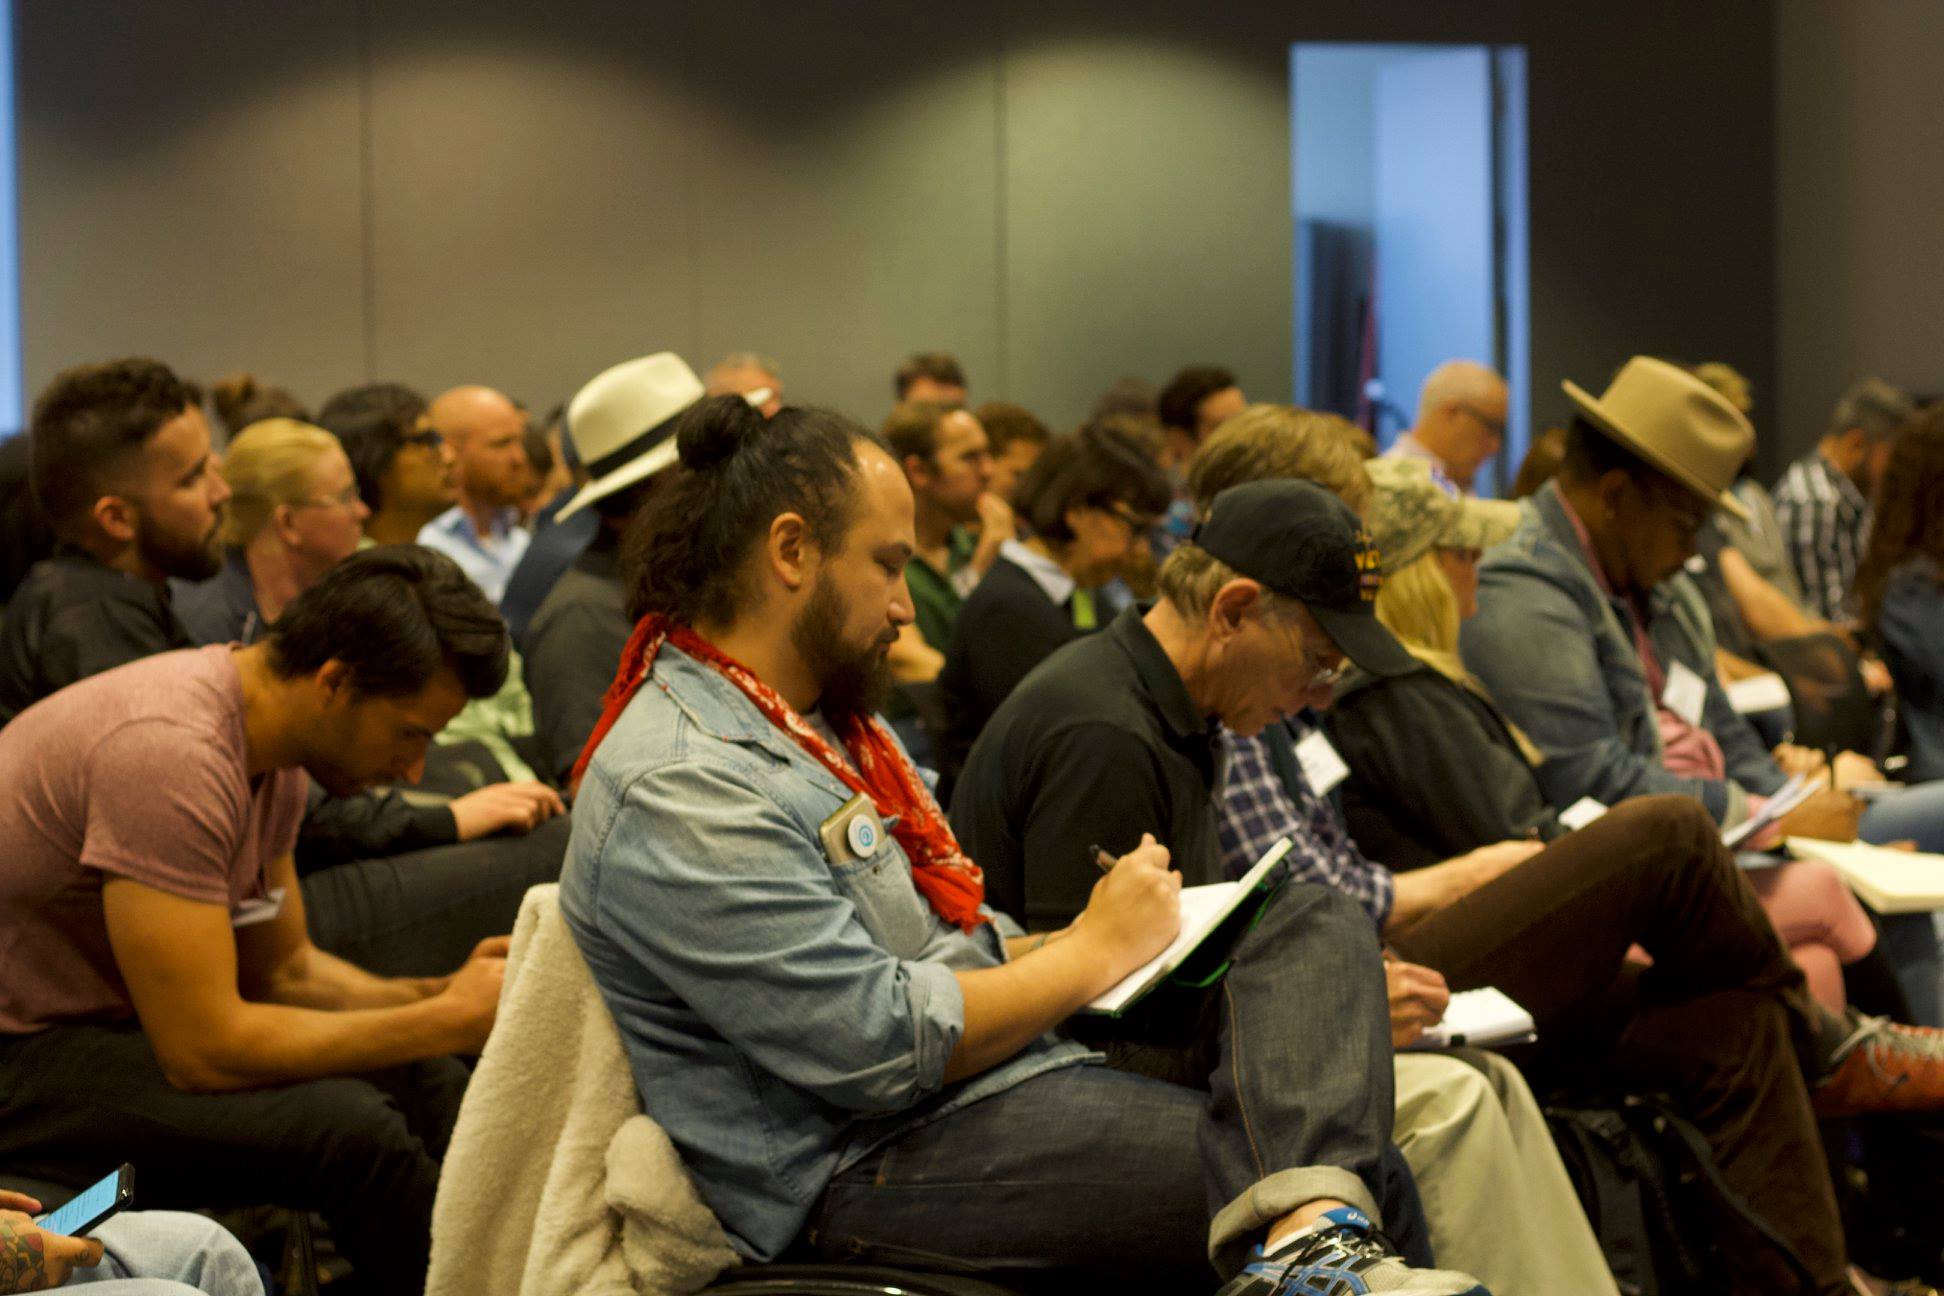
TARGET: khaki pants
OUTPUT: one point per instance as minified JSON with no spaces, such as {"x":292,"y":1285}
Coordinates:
{"x":1500,"y":1206}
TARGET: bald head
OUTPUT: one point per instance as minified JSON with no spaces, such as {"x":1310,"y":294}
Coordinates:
{"x":485,"y":431}
{"x":1461,"y":417}
{"x":743,"y":372}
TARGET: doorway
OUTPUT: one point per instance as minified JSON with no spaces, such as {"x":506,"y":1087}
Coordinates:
{"x":1409,"y":202}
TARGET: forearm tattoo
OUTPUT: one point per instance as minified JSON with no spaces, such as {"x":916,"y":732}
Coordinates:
{"x":23,"y":1260}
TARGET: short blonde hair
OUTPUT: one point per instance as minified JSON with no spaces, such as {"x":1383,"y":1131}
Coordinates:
{"x":1268,"y":441}
{"x":268,"y":465}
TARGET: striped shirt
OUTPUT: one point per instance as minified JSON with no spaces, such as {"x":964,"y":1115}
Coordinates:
{"x":1825,"y":525}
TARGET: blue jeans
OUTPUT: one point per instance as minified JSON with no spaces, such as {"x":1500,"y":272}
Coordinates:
{"x":168,"y":1253}
{"x":1223,"y":1110}
{"x":1910,"y":941}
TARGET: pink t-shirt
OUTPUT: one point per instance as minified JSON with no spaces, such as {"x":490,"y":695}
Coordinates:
{"x":137,"y":773}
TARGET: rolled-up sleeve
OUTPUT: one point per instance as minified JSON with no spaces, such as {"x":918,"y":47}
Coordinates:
{"x":713,"y":887}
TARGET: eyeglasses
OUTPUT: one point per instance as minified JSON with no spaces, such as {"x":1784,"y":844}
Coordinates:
{"x":348,"y":498}
{"x":1321,"y":676}
{"x":425,"y":439}
{"x":1686,"y":512}
{"x":1141,"y":524}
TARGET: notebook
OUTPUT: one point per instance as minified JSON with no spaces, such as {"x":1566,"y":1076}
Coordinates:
{"x":1203,"y":909}
{"x":1758,"y":693}
{"x":1889,"y":881}
{"x":1483,"y":1018}
{"x":1787,"y":797}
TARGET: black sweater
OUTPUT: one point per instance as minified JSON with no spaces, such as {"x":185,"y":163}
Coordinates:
{"x":1007,"y":627}
{"x":1434,"y":770}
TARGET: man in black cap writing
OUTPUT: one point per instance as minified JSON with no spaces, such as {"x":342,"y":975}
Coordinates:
{"x":1121,"y":732}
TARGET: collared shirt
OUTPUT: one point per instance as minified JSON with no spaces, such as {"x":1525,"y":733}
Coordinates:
{"x":73,"y":617}
{"x":936,"y":595}
{"x":1555,"y":652}
{"x":1046,"y":573}
{"x":1261,"y":804}
{"x":1686,"y":748}
{"x":1098,"y":745}
{"x":1408,"y":446}
{"x":1825,"y":523}
{"x":783,"y":1012}
{"x":488,"y":559}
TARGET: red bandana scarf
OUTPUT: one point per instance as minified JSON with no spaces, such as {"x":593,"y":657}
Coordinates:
{"x":951,"y":883}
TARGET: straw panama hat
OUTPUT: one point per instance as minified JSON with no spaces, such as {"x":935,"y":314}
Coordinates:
{"x":623,"y":423}
{"x":1675,"y":422}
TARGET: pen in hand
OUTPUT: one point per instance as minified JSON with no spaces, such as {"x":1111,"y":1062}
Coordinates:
{"x":1102,"y":860}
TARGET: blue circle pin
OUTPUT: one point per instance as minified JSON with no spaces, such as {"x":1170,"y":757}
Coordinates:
{"x":862,"y":833}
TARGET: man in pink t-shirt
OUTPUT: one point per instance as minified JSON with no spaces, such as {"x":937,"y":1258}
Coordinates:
{"x":162,"y":1001}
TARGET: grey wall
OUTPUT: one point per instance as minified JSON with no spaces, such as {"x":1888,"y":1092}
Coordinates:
{"x":1061,"y":191}
{"x":1860,"y":197}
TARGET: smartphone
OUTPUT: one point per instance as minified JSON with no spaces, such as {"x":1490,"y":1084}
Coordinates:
{"x":89,"y":1210}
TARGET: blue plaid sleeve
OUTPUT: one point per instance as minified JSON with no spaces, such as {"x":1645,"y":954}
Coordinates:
{"x":1258,"y":808}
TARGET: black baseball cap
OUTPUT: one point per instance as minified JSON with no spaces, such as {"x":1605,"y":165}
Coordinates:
{"x":1304,"y":543}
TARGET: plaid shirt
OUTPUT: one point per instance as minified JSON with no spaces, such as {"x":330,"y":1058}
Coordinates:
{"x":1258,"y":807}
{"x":1825,"y":524}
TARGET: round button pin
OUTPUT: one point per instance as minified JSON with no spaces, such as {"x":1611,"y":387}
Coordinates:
{"x":862,"y":835}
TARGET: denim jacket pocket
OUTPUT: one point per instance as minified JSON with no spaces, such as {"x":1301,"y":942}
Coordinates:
{"x":890,"y":908}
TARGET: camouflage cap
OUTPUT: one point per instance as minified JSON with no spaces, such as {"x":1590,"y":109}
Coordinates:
{"x":1415,"y":512}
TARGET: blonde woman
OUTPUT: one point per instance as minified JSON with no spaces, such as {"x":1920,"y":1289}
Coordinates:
{"x":294,"y":513}
{"x":1412,"y":802}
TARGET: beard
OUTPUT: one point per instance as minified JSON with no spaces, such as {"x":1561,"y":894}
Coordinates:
{"x":177,"y":556}
{"x":851,"y":681}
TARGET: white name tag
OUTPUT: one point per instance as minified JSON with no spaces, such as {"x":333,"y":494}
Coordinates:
{"x":1685,"y":694}
{"x":260,"y":910}
{"x":1581,"y":813}
{"x":1323,"y":769}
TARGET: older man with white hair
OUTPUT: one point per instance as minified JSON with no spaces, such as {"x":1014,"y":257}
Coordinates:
{"x":1460,"y":421}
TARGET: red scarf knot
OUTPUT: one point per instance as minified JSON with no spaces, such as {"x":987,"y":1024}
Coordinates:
{"x":952,"y":884}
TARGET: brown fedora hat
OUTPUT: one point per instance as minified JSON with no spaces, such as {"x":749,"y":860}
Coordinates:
{"x":1676,"y":423}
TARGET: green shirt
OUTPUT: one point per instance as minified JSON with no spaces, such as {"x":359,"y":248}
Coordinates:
{"x":934,"y":598}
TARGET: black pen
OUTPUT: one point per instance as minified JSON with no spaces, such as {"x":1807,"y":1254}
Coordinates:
{"x":1102,"y":860}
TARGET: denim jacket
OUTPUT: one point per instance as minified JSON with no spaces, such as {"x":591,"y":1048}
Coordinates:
{"x":1558,"y":655}
{"x":782,"y":1016}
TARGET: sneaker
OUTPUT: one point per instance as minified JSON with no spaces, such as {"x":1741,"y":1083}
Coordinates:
{"x":1882,"y":1066}
{"x":1342,"y":1254}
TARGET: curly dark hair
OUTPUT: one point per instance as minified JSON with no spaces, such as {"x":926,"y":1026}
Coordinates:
{"x":395,"y":615}
{"x":1909,"y":521}
{"x":939,"y":366}
{"x":1100,"y":465}
{"x":90,"y":421}
{"x":686,"y":548}
{"x":1186,"y":391}
{"x":372,"y":423}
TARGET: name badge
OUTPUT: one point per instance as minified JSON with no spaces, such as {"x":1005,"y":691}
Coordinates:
{"x":260,"y":910}
{"x":1581,"y":813}
{"x":1685,"y":695}
{"x":1323,"y":769}
{"x":855,"y":832}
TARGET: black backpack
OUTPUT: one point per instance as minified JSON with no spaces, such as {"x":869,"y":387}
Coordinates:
{"x":1657,"y":1202}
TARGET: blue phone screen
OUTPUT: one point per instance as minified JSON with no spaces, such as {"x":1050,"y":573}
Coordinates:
{"x":83,"y":1210}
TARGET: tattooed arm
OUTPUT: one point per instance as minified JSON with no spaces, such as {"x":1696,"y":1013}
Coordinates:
{"x":32,"y":1259}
